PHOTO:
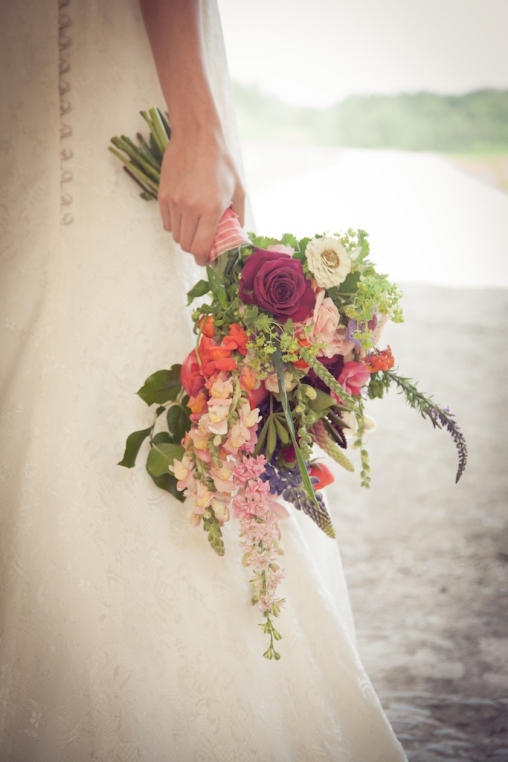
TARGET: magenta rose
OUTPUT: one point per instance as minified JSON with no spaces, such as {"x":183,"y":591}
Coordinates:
{"x":275,"y":282}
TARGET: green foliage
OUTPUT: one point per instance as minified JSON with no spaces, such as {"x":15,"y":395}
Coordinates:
{"x":438,"y":416}
{"x":201,"y":288}
{"x":168,"y":483}
{"x":262,"y":241}
{"x":269,"y":629}
{"x":162,"y":386}
{"x":425,"y":121}
{"x":471,"y":123}
{"x":321,"y":402}
{"x":374,"y":294}
{"x":279,"y":366}
{"x":161,"y":456}
{"x":178,"y":422}
{"x":214,"y":532}
{"x":379,"y":383}
{"x":132,"y":445}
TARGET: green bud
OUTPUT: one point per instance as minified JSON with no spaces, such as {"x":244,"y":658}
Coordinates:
{"x":309,"y":391}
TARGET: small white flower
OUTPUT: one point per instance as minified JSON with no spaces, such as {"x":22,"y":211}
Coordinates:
{"x":350,"y":420}
{"x":369,"y":423}
{"x":328,"y":261}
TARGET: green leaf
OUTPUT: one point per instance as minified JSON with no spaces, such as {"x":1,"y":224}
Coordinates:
{"x":350,"y":284}
{"x":322,"y":401}
{"x":279,"y":366}
{"x":261,"y":438}
{"x":260,"y":241}
{"x":271,"y":440}
{"x":365,"y":246}
{"x":302,"y":245}
{"x":217,"y":286}
{"x":132,"y":445}
{"x":163,"y":438}
{"x":282,"y":432}
{"x":162,"y":386}
{"x":178,"y":422}
{"x":168,"y":483}
{"x":288,"y":239}
{"x":201,"y":288}
{"x":161,"y":456}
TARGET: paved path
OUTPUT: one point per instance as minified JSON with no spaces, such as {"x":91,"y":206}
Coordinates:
{"x":426,"y":559}
{"x":428,"y":221}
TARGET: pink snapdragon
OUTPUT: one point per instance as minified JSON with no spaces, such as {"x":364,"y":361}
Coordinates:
{"x":182,"y":470}
{"x":223,"y":477}
{"x":260,"y":533}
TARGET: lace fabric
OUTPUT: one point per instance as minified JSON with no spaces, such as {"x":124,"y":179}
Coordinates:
{"x":123,"y":637}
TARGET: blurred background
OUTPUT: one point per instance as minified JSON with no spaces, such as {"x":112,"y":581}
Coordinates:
{"x":393,"y":117}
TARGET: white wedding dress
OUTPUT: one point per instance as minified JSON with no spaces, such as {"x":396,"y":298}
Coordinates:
{"x":123,"y":636}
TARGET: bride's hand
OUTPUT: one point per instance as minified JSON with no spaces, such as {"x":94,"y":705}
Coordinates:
{"x":199,"y":181}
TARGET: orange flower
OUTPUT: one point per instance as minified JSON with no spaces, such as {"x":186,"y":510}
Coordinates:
{"x":207,"y":323}
{"x":301,"y":363}
{"x":225,"y":363}
{"x":381,"y":361}
{"x":197,"y":404}
{"x":217,"y":356}
{"x":248,"y":379}
{"x":236,"y":339}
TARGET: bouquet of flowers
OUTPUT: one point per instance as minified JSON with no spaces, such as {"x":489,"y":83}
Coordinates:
{"x":286,"y":354}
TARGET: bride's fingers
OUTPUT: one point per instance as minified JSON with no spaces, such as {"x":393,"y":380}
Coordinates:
{"x":203,"y":239}
{"x":238,"y":202}
{"x":176,"y":225}
{"x":165,"y":216}
{"x":187,"y":231}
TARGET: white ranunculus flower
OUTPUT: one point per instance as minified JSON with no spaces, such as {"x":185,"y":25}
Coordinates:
{"x":328,"y":261}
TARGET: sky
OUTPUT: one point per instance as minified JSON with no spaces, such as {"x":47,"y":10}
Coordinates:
{"x":317,"y":52}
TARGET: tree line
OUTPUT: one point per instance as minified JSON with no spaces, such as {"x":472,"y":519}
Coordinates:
{"x":476,"y":122}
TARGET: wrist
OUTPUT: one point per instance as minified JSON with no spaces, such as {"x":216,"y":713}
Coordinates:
{"x":195,"y":121}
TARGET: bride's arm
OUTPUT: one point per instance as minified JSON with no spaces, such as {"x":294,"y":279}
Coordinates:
{"x":199,"y":179}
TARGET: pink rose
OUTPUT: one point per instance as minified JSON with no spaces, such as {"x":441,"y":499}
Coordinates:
{"x":275,"y":282}
{"x":327,"y":329}
{"x":354,"y":375}
{"x":282,"y":248}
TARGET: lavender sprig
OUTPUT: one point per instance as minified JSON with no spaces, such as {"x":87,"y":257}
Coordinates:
{"x":439,"y":417}
{"x":288,"y":483}
{"x":443,"y":417}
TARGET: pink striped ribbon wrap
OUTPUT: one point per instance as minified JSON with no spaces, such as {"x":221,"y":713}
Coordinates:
{"x":229,"y":235}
